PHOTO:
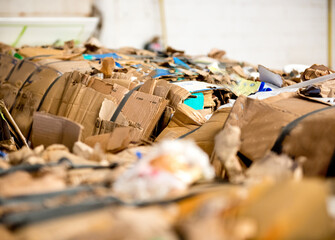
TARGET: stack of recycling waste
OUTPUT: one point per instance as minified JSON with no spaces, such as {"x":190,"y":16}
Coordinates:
{"x":125,"y":143}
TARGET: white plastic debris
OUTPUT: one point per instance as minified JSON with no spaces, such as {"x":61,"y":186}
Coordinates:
{"x":170,"y":167}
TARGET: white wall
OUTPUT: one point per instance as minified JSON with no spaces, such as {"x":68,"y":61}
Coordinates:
{"x":273,"y":33}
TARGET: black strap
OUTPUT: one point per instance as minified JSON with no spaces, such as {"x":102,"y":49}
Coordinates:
{"x":188,"y":133}
{"x":40,"y":197}
{"x":36,"y":167}
{"x":17,"y":220}
{"x":278,"y":146}
{"x":331,"y":167}
{"x":247,"y":162}
{"x":123,"y":102}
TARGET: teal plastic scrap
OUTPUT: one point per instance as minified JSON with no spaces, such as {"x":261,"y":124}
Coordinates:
{"x":196,"y":101}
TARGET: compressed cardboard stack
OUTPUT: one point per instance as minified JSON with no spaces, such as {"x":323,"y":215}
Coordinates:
{"x":98,"y":141}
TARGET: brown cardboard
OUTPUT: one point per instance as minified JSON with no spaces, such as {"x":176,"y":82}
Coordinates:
{"x":30,"y":96}
{"x":103,"y":126}
{"x":313,"y":138}
{"x":176,"y":94}
{"x":106,"y":86}
{"x":54,"y":96}
{"x":144,"y":109}
{"x":148,"y":86}
{"x":115,"y":141}
{"x":7,"y":63}
{"x":48,"y":53}
{"x":83,"y":107}
{"x":14,"y":81}
{"x":262,"y":121}
{"x":70,"y":66}
{"x":107,"y":110}
{"x":204,"y":136}
{"x":49,"y":129}
{"x":108,"y":64}
{"x":184,"y":120}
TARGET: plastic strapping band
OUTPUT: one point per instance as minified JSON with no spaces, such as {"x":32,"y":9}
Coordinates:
{"x":123,"y":102}
{"x":278,"y":146}
{"x":186,"y":134}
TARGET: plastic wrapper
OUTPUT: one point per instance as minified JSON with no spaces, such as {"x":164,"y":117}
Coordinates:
{"x":169,"y":168}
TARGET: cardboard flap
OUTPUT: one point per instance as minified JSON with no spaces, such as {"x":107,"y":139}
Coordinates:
{"x":176,"y":94}
{"x":144,"y":109}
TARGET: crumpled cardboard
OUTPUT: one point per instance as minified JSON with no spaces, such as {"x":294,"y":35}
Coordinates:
{"x":315,"y":71}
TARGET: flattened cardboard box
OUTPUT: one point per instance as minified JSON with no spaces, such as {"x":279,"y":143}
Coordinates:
{"x":49,"y":129}
{"x":144,"y":109}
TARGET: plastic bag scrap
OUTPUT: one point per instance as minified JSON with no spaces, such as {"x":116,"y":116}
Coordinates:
{"x":169,"y":168}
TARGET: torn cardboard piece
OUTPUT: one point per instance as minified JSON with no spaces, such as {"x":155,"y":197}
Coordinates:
{"x":115,"y":141}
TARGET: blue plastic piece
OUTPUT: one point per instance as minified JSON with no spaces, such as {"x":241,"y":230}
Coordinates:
{"x":118,"y":65}
{"x":161,"y":72}
{"x":180,"y":63}
{"x":100,"y":56}
{"x":263,"y":89}
{"x":196,"y":103}
{"x":138,"y":155}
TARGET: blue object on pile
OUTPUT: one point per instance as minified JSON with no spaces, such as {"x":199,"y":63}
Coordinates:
{"x":180,"y":63}
{"x":161,"y":72}
{"x":262,"y":88}
{"x":100,"y":56}
{"x":197,"y":102}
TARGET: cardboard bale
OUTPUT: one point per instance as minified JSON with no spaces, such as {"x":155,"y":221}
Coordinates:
{"x":261,"y":122}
